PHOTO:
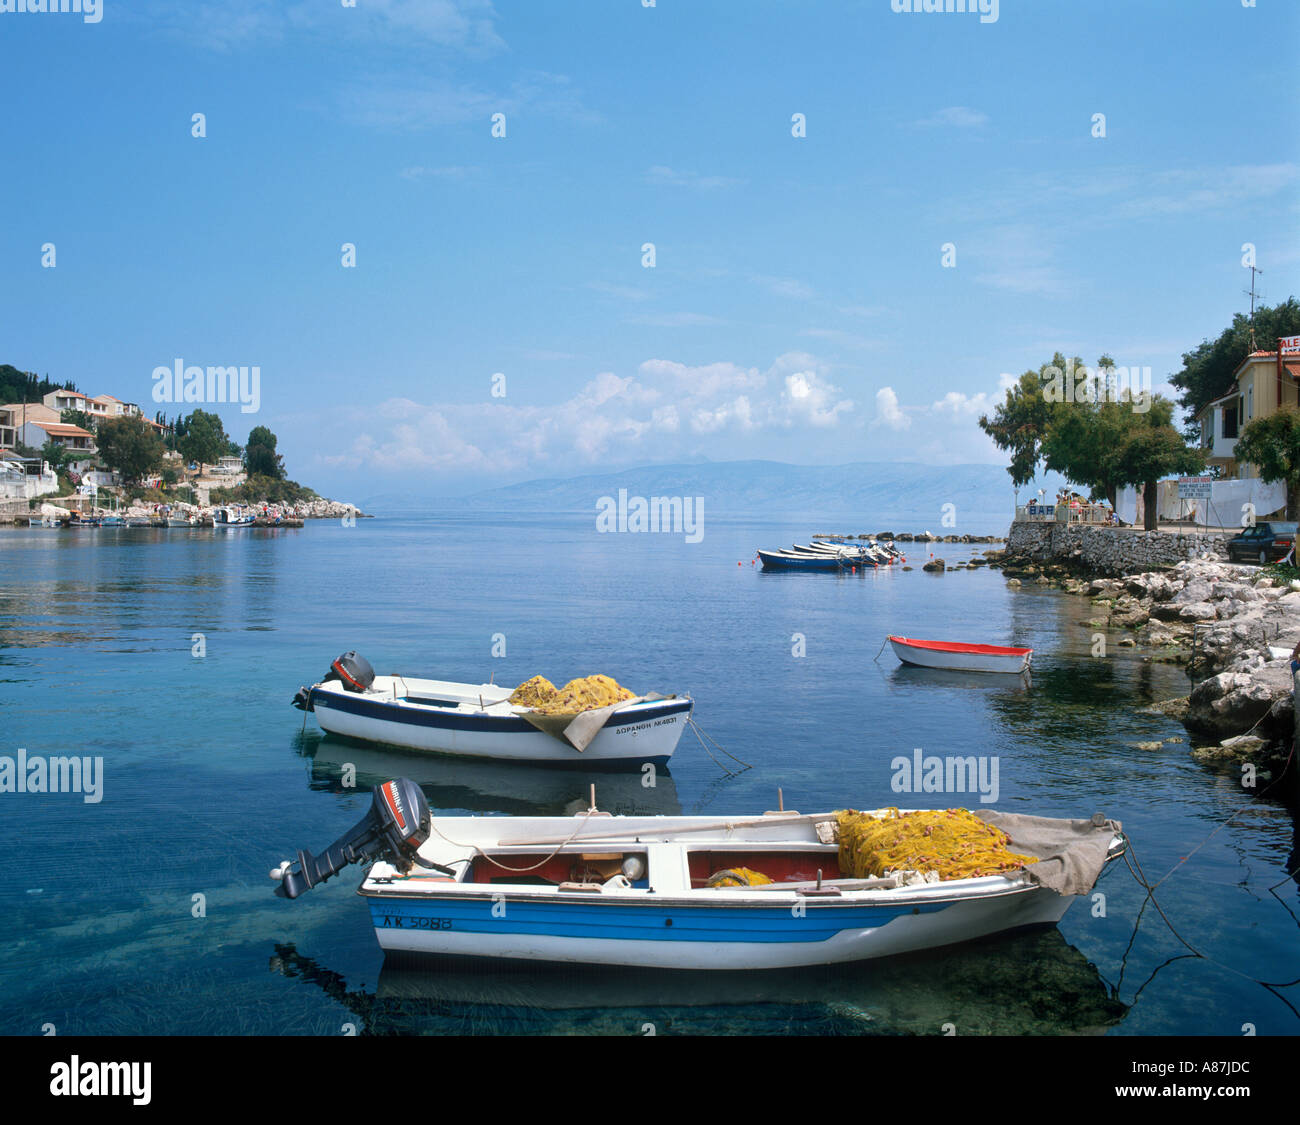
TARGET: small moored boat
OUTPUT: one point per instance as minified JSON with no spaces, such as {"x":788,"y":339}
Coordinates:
{"x":683,"y":892}
{"x":961,"y":657}
{"x":812,"y":560}
{"x":480,"y":721}
{"x":229,"y":518}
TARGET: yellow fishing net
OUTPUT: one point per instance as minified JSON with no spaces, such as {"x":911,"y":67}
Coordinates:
{"x":953,"y":842}
{"x":533,"y":692}
{"x":738,"y":877}
{"x":577,"y":695}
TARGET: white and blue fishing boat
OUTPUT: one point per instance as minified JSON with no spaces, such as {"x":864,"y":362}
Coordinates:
{"x":230,"y":518}
{"x":676,"y":892}
{"x":812,"y":560}
{"x":480,"y":721}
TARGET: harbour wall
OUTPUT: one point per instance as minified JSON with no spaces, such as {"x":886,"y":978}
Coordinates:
{"x":11,"y":509}
{"x":1111,"y":550}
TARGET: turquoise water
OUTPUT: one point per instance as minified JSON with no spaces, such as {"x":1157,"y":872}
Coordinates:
{"x":211,"y":778}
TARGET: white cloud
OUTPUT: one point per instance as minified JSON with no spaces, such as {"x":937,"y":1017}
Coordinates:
{"x":888,"y":412}
{"x":839,"y":336}
{"x":449,"y":172}
{"x":466,"y":26}
{"x":659,"y":412}
{"x":670,"y":177}
{"x":789,"y":287}
{"x":810,"y":399}
{"x":624,"y":292}
{"x":676,"y":320}
{"x":954,"y":116}
{"x":383,"y":101}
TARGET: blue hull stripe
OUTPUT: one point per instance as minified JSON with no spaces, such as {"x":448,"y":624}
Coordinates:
{"x":635,"y":922}
{"x":773,"y":562}
{"x":352,"y":704}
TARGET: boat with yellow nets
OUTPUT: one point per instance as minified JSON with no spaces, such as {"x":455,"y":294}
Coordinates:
{"x":776,"y":890}
{"x":590,"y":721}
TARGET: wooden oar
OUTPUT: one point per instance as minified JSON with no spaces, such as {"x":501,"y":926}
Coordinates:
{"x":786,"y":818}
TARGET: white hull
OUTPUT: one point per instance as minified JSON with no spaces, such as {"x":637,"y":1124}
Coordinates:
{"x":668,"y":918}
{"x":960,"y":922}
{"x":960,"y":661}
{"x":481,"y":723}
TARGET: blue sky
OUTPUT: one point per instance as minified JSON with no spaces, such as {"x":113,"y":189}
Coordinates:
{"x":798,"y":308}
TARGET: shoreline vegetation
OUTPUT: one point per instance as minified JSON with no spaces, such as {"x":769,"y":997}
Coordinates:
{"x":103,"y":447}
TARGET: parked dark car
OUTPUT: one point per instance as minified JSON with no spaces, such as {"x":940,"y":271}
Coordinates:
{"x":1263,"y":543}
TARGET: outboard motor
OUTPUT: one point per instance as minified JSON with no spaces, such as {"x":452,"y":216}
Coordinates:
{"x":354,"y":671}
{"x":350,"y":669}
{"x":393,"y":830}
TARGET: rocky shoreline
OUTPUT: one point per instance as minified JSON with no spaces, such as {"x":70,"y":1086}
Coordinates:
{"x":267,"y":514}
{"x":921,"y":537}
{"x":1233,"y":627}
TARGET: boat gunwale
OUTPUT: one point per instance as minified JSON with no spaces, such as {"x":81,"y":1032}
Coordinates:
{"x":382,"y":708}
{"x":1014,"y":881}
{"x":958,"y":647}
{"x":929,"y":894}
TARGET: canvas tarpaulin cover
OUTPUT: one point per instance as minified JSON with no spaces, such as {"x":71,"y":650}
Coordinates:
{"x":1070,"y":853}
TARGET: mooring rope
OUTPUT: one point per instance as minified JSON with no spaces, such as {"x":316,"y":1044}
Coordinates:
{"x":1140,"y":876}
{"x":701,"y":735}
{"x":433,"y":824}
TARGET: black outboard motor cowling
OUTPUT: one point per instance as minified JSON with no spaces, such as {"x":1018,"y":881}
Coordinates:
{"x":393,"y":830}
{"x":353,"y":670}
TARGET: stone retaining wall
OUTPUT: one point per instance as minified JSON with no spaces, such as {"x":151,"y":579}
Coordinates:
{"x":9,"y":509}
{"x":1112,"y":550}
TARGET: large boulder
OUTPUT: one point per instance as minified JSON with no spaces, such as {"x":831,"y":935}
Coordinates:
{"x":1197,"y":590}
{"x":1233,"y":703}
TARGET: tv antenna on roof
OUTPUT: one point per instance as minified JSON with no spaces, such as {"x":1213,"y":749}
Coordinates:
{"x":1252,"y":294}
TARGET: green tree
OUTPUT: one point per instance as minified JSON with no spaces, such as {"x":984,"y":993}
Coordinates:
{"x":1207,"y":370}
{"x":1085,"y":446}
{"x":1022,"y":422}
{"x":1272,"y":444}
{"x":204,"y":439}
{"x":260,"y":457}
{"x":1075,"y":422}
{"x":55,"y":455}
{"x":129,"y":446}
{"x":26,"y":386}
{"x":1153,"y":449}
{"x":77,"y":418}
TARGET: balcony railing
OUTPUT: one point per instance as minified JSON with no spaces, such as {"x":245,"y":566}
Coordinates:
{"x":1094,"y":514}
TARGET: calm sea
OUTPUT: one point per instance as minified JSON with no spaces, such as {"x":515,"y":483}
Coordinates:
{"x":173,"y":656}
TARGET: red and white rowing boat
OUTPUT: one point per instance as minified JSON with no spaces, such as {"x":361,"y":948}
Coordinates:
{"x":961,"y":657}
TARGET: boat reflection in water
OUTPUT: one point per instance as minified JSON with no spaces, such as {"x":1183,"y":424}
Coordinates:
{"x":1031,"y":983}
{"x":480,"y":786}
{"x":914,"y":676}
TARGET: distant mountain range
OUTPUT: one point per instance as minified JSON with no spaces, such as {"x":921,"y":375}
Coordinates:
{"x":874,"y":490}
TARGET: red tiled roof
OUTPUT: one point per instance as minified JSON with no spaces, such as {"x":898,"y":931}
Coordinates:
{"x":55,"y":429}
